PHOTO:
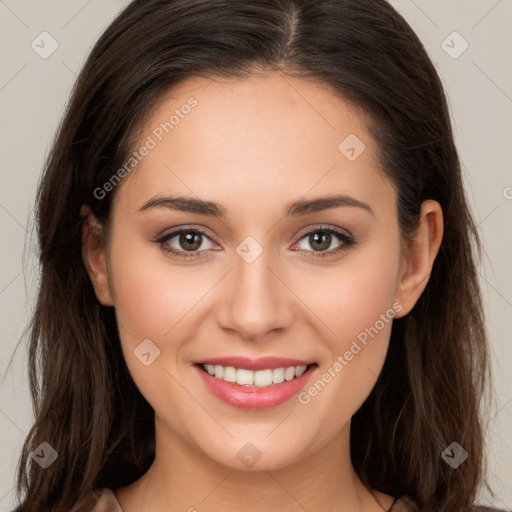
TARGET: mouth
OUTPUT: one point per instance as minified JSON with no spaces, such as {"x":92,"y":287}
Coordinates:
{"x":255,"y":389}
{"x":259,"y":379}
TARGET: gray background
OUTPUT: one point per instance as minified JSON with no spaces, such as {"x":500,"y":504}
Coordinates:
{"x":33,"y":92}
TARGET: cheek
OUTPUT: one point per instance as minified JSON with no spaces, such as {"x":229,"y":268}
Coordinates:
{"x":351,"y":297}
{"x":151,"y":297}
{"x":355,"y":305}
{"x":153,"y":301}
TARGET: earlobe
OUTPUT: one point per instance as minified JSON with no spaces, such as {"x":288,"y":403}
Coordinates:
{"x":419,"y":255}
{"x":94,"y":256}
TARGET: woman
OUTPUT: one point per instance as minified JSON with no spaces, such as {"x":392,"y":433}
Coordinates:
{"x":259,"y":281}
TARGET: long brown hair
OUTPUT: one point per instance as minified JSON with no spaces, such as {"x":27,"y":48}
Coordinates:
{"x":430,"y":391}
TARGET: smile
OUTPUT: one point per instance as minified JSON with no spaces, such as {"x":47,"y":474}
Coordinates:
{"x":254,"y":389}
{"x":261,"y":378}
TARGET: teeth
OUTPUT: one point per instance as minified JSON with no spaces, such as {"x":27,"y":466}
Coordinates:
{"x":259,"y":379}
{"x":299,"y":370}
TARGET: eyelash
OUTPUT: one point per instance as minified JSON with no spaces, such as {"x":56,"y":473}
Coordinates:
{"x":347,"y":242}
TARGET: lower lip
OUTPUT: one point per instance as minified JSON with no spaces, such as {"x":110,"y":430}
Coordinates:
{"x":249,"y":397}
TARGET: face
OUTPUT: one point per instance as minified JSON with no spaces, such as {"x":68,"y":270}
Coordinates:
{"x":290,"y":250}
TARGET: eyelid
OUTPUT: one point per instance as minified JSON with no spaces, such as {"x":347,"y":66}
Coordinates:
{"x":178,"y":229}
{"x":323,"y":227}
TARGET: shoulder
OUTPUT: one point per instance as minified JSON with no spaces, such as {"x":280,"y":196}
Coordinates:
{"x":107,"y":501}
{"x":407,"y":504}
{"x":404,"y":504}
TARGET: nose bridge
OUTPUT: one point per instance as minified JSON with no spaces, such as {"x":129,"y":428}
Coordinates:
{"x":255,"y":301}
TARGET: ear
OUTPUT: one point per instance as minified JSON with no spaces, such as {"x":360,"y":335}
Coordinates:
{"x":418,"y":256}
{"x":95,"y":257}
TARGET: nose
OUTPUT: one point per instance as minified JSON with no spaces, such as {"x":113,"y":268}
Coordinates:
{"x":255,"y":301}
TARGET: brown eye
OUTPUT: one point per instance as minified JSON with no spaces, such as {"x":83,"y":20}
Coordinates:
{"x":190,"y":240}
{"x":321,"y":241}
{"x":185,"y":243}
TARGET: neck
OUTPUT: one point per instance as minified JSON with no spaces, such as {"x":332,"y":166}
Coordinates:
{"x":183,"y":479}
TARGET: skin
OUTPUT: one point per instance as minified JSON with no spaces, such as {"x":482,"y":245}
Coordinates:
{"x":265,"y":141}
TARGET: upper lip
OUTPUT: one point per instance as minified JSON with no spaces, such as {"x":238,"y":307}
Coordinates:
{"x":261,"y":363}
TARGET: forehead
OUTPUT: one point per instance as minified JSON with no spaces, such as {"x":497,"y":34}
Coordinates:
{"x":265,"y":138}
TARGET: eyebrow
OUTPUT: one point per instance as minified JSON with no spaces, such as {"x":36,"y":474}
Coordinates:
{"x":294,"y":209}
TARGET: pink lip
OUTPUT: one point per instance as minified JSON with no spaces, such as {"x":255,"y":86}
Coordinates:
{"x":251,"y":397}
{"x":263,"y":363}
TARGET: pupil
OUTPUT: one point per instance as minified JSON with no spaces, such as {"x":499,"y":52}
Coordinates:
{"x":326,"y":240}
{"x":194,"y":240}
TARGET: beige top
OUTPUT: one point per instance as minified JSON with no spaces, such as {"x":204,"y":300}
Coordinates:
{"x":108,"y":503}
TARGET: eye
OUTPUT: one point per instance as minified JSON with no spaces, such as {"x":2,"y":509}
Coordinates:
{"x":322,"y":239}
{"x":190,"y":242}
